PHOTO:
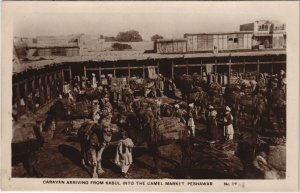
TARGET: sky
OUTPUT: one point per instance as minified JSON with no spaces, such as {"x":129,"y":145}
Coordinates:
{"x":169,"y":19}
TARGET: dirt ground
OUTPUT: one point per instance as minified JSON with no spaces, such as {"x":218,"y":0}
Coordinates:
{"x":60,"y":158}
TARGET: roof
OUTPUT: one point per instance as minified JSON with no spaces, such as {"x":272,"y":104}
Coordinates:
{"x":54,"y":46}
{"x":171,"y":40}
{"x":219,"y":33}
{"x":132,"y":55}
{"x":64,"y":41}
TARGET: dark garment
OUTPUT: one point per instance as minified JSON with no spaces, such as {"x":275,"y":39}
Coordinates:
{"x":213,"y":128}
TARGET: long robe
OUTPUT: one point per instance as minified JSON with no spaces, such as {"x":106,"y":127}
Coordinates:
{"x":124,"y":154}
{"x":212,"y":125}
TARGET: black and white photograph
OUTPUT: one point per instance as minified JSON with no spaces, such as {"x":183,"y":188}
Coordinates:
{"x":165,"y":90}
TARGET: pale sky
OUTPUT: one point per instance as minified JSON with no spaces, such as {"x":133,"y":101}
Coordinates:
{"x":169,"y":19}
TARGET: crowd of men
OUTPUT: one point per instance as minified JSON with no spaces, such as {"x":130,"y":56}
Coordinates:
{"x":107,"y":98}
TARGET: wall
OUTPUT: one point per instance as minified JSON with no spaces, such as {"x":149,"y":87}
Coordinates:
{"x":57,"y":41}
{"x":171,"y":47}
{"x":247,"y":27}
{"x":47,"y":52}
{"x":278,"y":41}
{"x":90,"y":43}
{"x":222,"y":42}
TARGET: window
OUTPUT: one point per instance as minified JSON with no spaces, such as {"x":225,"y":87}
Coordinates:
{"x":263,"y":27}
{"x":235,"y":40}
{"x":230,"y":39}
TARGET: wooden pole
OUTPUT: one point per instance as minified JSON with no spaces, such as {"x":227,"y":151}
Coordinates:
{"x":216,"y":67}
{"x":244,"y":68}
{"x":18,"y":95}
{"x":33,"y":89}
{"x":84,"y":70}
{"x":257,"y":66}
{"x":33,"y":93}
{"x":128,"y":70}
{"x":187,"y":67}
{"x":201,"y":70}
{"x":46,"y":88}
{"x":51,"y":86}
{"x":70,"y":73}
{"x":114,"y":69}
{"x":62,"y":79}
{"x":229,"y":71}
{"x":272,"y":66}
{"x":172,"y":69}
{"x":99,"y":73}
{"x":143,"y":71}
{"x":25,"y":92}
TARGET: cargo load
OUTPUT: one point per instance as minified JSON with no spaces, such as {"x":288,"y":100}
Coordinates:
{"x":170,"y":128}
{"x":81,"y":109}
{"x":137,"y":83}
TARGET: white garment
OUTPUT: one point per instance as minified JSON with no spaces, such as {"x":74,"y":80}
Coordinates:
{"x":209,"y":68}
{"x":124,"y":160}
{"x":94,"y":82}
{"x":191,"y":124}
{"x":152,"y":73}
{"x":96,"y":118}
{"x":70,"y":97}
{"x":22,"y":102}
{"x":228,"y":131}
{"x":66,"y":88}
{"x":212,"y":113}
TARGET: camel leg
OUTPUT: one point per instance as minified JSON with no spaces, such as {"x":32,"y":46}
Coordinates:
{"x":155,"y":159}
{"x":186,"y":157}
{"x":94,"y":158}
{"x":99,"y":158}
{"x":84,"y":151}
{"x":155,"y":154}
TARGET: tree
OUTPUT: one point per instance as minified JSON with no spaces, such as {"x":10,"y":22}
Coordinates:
{"x":129,"y":36}
{"x":156,"y":37}
{"x":109,"y":39}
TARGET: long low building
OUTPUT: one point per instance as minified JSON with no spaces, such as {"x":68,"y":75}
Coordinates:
{"x":48,"y":76}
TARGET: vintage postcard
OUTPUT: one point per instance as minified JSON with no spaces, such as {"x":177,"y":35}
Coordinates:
{"x":150,"y":96}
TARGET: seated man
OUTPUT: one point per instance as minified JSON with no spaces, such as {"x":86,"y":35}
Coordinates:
{"x":262,"y":165}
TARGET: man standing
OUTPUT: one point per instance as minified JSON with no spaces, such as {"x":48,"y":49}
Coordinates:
{"x":228,"y":127}
{"x":191,"y":124}
{"x":94,"y":82}
{"x":124,"y":154}
{"x":179,"y":113}
{"x":96,"y":110}
{"x":115,"y":90}
{"x":212,"y":124}
{"x":159,"y":83}
{"x":128,"y":98}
